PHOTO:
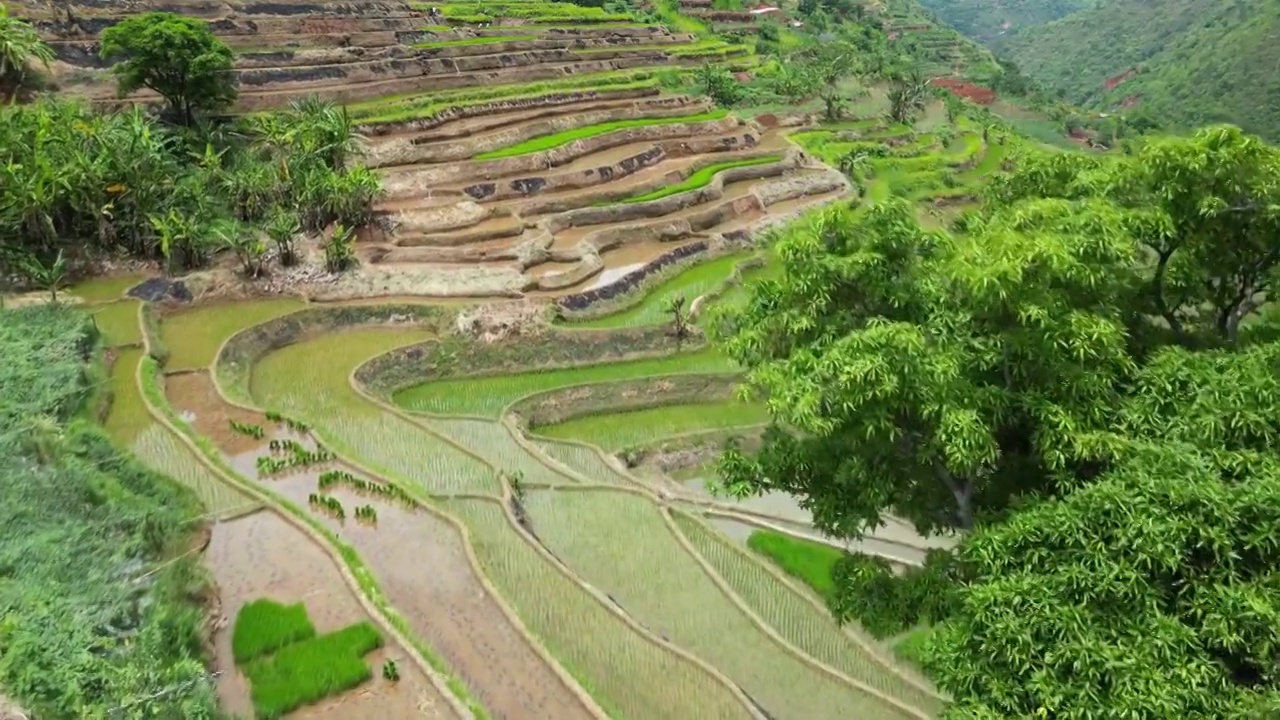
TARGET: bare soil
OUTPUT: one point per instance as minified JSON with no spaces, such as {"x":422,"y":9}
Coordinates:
{"x":261,"y":555}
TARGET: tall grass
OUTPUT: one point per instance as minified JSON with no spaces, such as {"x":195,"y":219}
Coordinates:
{"x":311,"y":670}
{"x":547,"y":142}
{"x":264,"y":626}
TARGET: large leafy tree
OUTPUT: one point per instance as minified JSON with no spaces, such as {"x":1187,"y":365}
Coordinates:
{"x":940,"y":378}
{"x":1153,"y":592}
{"x":177,"y":57}
{"x":1205,"y":211}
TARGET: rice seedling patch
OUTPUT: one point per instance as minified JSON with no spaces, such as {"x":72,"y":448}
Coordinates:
{"x":614,"y":432}
{"x":310,"y":379}
{"x":663,"y":587}
{"x":264,"y":626}
{"x":193,"y":337}
{"x":586,"y":461}
{"x":118,"y":323}
{"x":555,"y":140}
{"x":160,"y":449}
{"x":809,"y":628}
{"x":698,"y":279}
{"x":127,"y":417}
{"x":306,"y":672}
{"x":489,"y":395}
{"x":699,"y":178}
{"x":809,"y":562}
{"x":492,"y":441}
{"x":628,"y":675}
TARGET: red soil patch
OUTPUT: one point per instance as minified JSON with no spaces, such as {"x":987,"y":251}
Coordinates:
{"x":1115,"y":80}
{"x":742,"y":77}
{"x":966,"y":90}
{"x":1131,"y":101}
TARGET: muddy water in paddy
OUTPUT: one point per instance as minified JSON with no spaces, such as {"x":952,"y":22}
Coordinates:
{"x":420,"y":563}
{"x":261,"y":555}
{"x":422,"y":566}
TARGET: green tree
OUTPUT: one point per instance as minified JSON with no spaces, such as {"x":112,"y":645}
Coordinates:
{"x":20,"y":45}
{"x":47,"y":275}
{"x":177,"y":57}
{"x":1150,"y":593}
{"x":907,"y":98}
{"x":942,"y":378}
{"x":1206,"y":209}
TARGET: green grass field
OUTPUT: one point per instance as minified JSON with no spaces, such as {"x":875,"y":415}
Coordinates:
{"x":807,"y":561}
{"x":548,"y":142}
{"x":690,"y":283}
{"x":487,"y":396}
{"x":699,"y":178}
{"x":306,"y":672}
{"x":264,"y":626}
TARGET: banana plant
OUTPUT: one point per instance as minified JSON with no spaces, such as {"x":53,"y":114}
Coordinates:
{"x":46,"y":276}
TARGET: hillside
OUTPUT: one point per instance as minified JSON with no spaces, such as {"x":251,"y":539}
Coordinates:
{"x":1185,"y":62}
{"x":989,"y":21}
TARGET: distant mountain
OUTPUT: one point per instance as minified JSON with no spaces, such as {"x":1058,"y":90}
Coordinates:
{"x":1181,"y":62}
{"x":988,"y":21}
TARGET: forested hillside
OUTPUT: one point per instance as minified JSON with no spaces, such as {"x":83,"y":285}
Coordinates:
{"x":989,"y":21}
{"x":1186,"y":62}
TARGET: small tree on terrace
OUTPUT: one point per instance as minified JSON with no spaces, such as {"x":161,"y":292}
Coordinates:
{"x":47,"y":276}
{"x":177,"y":57}
{"x":907,"y":98}
{"x":19,"y":46}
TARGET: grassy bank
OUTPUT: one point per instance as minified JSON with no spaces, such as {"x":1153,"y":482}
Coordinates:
{"x":96,"y":623}
{"x":548,"y":142}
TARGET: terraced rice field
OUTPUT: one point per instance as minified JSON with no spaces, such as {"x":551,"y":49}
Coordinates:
{"x":529,"y":149}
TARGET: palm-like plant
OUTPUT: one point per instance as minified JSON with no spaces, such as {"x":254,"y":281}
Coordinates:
{"x":19,"y":46}
{"x":283,"y":227}
{"x":245,"y":243}
{"x":46,"y":275}
{"x":339,"y":251}
{"x":907,"y":98}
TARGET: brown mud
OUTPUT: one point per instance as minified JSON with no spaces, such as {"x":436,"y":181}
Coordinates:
{"x":262,"y":556}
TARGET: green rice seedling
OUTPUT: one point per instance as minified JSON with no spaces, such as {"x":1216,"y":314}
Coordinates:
{"x":247,"y":429}
{"x":264,"y":626}
{"x":364,"y":488}
{"x":584,"y":460}
{"x":549,"y":12}
{"x":193,"y":337}
{"x":326,"y":504}
{"x":488,"y":395}
{"x":274,"y":416}
{"x":494,"y":443}
{"x":127,"y":417}
{"x":555,"y":140}
{"x":809,"y":628}
{"x":268,"y":465}
{"x":296,"y":425}
{"x":614,"y":432}
{"x":367,"y":514}
{"x":698,"y":279}
{"x":161,"y":450}
{"x":663,"y":587}
{"x":812,"y":563}
{"x":118,"y":323}
{"x":310,"y":379}
{"x":390,"y":672}
{"x":629,"y":676}
{"x":309,"y":671}
{"x":699,"y":178}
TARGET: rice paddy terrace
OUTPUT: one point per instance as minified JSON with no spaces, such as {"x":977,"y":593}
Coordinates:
{"x":520,"y":515}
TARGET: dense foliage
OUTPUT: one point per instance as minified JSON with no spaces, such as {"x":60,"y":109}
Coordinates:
{"x":20,"y":48}
{"x":95,"y":623}
{"x":1084,"y":378}
{"x":1185,"y":62}
{"x":83,"y":182}
{"x":177,"y":57}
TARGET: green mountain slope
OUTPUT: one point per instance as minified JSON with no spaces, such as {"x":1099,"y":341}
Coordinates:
{"x":989,"y":21}
{"x":1185,"y":62}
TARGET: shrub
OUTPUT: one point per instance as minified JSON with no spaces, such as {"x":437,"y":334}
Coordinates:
{"x":311,"y":670}
{"x":264,"y":626}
